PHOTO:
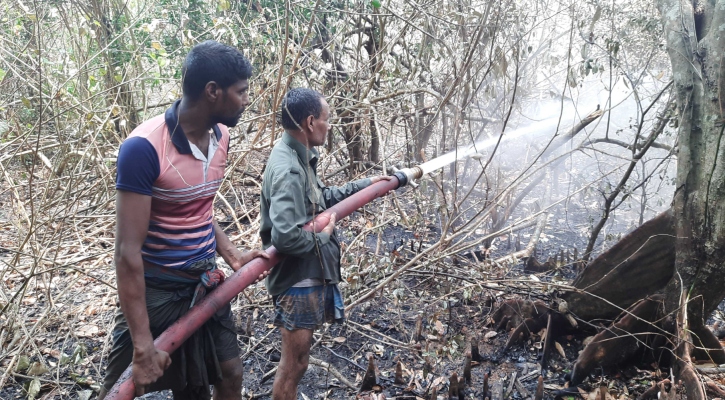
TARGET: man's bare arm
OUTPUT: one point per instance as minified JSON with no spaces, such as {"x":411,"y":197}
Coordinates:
{"x":133,"y":211}
{"x":231,"y":254}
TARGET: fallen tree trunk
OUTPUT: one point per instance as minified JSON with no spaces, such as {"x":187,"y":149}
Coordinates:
{"x":640,"y":264}
{"x":628,"y":275}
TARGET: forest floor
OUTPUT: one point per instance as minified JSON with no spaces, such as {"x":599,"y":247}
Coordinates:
{"x":69,"y":317}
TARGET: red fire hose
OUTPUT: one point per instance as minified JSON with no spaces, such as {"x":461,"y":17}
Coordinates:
{"x":183,"y":328}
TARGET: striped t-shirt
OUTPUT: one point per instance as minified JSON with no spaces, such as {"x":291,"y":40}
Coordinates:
{"x":158,"y":161}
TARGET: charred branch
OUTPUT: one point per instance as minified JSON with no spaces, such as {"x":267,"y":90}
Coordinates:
{"x":636,"y":156}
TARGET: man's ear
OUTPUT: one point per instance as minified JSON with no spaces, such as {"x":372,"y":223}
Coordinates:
{"x":212,"y":91}
{"x":308,"y":122}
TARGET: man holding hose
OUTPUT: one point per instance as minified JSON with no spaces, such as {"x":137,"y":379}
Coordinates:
{"x":304,"y":285}
{"x":169,"y":170}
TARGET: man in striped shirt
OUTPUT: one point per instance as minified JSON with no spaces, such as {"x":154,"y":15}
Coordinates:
{"x":169,"y":170}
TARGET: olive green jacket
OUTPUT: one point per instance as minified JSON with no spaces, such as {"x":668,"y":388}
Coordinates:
{"x":292,"y":194}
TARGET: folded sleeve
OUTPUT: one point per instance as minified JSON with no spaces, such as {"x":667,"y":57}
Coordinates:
{"x":336,"y":194}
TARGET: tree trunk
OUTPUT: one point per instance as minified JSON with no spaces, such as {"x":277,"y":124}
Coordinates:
{"x":423,"y":128}
{"x":695,"y":43}
{"x":699,"y":199}
{"x":352,"y":133}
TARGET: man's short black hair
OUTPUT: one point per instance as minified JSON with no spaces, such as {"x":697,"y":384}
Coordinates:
{"x":212,"y":61}
{"x":297,"y":105}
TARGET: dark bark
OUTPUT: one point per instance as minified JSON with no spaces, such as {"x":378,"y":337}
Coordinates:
{"x":423,"y":128}
{"x":638,"y":266}
{"x":453,"y":386}
{"x":641,"y":263}
{"x":617,"y":344}
{"x":353,"y":138}
{"x":370,"y":379}
{"x":374,"y":150}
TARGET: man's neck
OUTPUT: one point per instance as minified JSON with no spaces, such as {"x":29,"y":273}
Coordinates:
{"x":194,"y":120}
{"x":300,"y":137}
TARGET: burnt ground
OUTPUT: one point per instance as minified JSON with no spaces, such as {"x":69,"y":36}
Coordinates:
{"x":447,"y":297}
{"x":452,"y":315}
{"x":451,"y":318}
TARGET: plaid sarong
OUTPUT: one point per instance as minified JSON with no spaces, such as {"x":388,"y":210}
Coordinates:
{"x":195,"y":365}
{"x":308,"y":307}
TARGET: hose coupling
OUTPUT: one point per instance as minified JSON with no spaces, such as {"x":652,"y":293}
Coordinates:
{"x":406,"y":176}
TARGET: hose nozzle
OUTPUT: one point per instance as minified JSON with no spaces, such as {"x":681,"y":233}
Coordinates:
{"x":408,"y":175}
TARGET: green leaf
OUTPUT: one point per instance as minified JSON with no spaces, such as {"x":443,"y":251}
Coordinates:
{"x":375,"y":3}
{"x":23,"y":364}
{"x":33,"y":389}
{"x":78,"y":353}
{"x":2,"y":74}
{"x":37,"y":369}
